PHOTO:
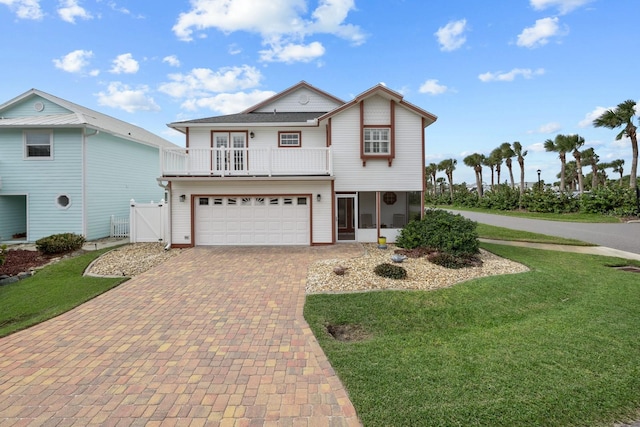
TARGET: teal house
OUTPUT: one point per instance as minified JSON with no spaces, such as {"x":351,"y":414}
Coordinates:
{"x":67,"y":169}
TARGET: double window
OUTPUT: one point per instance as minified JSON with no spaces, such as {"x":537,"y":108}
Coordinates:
{"x":377,"y":141}
{"x":38,"y":144}
{"x":289,"y":139}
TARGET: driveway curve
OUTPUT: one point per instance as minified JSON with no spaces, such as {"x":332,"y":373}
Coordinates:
{"x":214,"y":336}
{"x":624,"y":236}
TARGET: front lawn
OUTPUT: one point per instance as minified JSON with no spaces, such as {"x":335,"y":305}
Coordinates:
{"x":50,"y":292}
{"x":567,"y":217}
{"x":556,"y":346}
{"x":487,"y":231}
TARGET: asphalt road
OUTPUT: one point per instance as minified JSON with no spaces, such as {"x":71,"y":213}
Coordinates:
{"x":624,"y":236}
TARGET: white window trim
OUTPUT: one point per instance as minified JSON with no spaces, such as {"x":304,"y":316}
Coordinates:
{"x":26,"y":145}
{"x":370,"y":142}
{"x":298,"y":136}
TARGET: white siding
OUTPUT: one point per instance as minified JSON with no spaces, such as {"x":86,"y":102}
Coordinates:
{"x":199,"y":138}
{"x":405,"y":174}
{"x":312,"y":137}
{"x":181,"y":211}
{"x":291,"y":102}
{"x":377,"y":111}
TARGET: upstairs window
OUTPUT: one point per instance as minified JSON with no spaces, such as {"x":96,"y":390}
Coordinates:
{"x":289,"y":139}
{"x":38,"y":144}
{"x":377,"y":141}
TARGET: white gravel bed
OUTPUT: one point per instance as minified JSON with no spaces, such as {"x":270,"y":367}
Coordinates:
{"x":421,"y":274}
{"x":130,"y":260}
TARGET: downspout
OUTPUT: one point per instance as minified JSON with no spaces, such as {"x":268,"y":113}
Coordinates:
{"x":167,"y":189}
{"x":83,"y":181}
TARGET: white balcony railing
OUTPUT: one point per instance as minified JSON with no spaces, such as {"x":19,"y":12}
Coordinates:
{"x":245,"y":161}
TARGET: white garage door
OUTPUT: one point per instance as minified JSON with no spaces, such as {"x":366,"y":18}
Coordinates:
{"x":252,"y":220}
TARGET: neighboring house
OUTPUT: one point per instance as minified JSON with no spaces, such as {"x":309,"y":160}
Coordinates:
{"x":301,"y":168}
{"x":67,"y":169}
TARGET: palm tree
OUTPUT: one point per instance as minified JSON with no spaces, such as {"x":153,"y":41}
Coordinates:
{"x":623,"y":115}
{"x":572,"y":175}
{"x":517,"y":149}
{"x":618,"y":167}
{"x":490,"y":162}
{"x":441,"y":181}
{"x":508,"y":154}
{"x":448,"y":166}
{"x":431,"y":171}
{"x":590,"y":156}
{"x":576,"y":142}
{"x":475,"y":161}
{"x":497,"y":156}
{"x":560,"y":145}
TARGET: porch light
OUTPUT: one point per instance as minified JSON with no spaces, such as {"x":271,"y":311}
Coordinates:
{"x":183,"y":198}
{"x":251,"y":134}
{"x":318,"y":197}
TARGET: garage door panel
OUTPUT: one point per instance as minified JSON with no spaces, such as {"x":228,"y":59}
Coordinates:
{"x":252,"y":221}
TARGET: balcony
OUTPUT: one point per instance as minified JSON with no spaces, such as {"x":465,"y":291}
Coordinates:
{"x":246,"y":161}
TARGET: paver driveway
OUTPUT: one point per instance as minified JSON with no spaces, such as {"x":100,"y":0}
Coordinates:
{"x":214,"y":336}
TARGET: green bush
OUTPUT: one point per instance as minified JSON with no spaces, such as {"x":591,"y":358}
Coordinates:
{"x":502,"y":197}
{"x":390,"y":271}
{"x":550,"y":201}
{"x":60,"y":243}
{"x":442,"y":230}
{"x":616,"y":200}
{"x":451,"y":261}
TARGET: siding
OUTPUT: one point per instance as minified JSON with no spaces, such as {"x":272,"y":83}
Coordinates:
{"x":44,"y":180}
{"x":26,"y":108}
{"x":181,"y":211}
{"x":405,"y":174}
{"x":116,"y":172}
{"x":290,"y":103}
{"x":264,"y":136}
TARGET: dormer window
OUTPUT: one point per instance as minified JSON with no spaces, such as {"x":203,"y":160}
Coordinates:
{"x":289,"y":139}
{"x":377,"y":141}
{"x":37,"y":144}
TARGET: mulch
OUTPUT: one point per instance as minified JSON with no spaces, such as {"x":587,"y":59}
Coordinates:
{"x":21,"y":260}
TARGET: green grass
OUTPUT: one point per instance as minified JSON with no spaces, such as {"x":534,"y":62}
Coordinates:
{"x":50,"y":292}
{"x":486,"y":231}
{"x":568,"y":217}
{"x":556,"y":346}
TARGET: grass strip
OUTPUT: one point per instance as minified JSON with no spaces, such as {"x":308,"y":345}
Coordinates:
{"x":487,"y":231}
{"x":556,"y":346}
{"x":52,"y":291}
{"x":566,"y":217}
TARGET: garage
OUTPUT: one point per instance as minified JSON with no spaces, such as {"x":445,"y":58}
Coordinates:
{"x":252,"y":220}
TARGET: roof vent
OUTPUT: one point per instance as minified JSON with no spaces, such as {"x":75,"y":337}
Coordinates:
{"x":38,"y":106}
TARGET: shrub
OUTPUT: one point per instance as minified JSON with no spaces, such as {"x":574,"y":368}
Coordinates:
{"x":3,"y":254}
{"x":60,"y":243}
{"x":390,"y":271}
{"x":619,"y":201}
{"x":442,"y":230}
{"x":451,"y":261}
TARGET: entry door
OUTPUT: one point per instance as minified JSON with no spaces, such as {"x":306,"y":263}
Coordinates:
{"x":346,"y":217}
{"x":230,"y":155}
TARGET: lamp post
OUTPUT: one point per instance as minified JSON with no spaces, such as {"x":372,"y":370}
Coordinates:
{"x":539,"y":187}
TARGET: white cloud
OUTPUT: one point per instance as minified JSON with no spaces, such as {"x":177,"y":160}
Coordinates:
{"x":25,"y":9}
{"x":204,"y":81}
{"x":74,"y":62}
{"x":451,"y":36}
{"x":432,"y":87}
{"x":539,"y":34}
{"x":228,"y":103}
{"x":69,"y":10}
{"x":234,"y":49}
{"x":292,"y":52}
{"x":547,"y":128}
{"x":125,"y":64}
{"x":171,"y":60}
{"x":591,"y":116}
{"x":119,"y":95}
{"x":279,"y":22}
{"x":564,"y":6}
{"x":537,"y":147}
{"x":527,"y":73}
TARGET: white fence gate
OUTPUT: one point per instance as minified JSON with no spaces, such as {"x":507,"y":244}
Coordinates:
{"x":149,"y":222}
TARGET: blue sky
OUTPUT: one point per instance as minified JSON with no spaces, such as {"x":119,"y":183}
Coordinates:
{"x":493,"y":71}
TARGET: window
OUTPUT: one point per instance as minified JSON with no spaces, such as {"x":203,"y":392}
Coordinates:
{"x":289,"y":139}
{"x":377,"y":141}
{"x":203,"y":201}
{"x":63,"y":201}
{"x":38,"y":144}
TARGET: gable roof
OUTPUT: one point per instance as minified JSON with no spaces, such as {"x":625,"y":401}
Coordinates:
{"x":385,"y":92}
{"x":80,"y":117}
{"x":300,"y":85}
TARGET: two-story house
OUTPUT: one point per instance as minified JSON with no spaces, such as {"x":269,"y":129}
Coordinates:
{"x":65,"y":168}
{"x":300,"y":168}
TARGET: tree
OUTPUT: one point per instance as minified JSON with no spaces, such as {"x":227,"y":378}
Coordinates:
{"x":441,"y":181}
{"x":589,"y":155}
{"x":560,"y":145}
{"x":576,"y":142}
{"x":617,"y":117}
{"x":475,"y":161}
{"x":618,"y":167}
{"x":431,"y":171}
{"x":448,"y":166}
{"x":520,"y":155}
{"x":490,"y":162}
{"x":496,"y":155}
{"x":508,"y":154}
{"x":572,"y":175}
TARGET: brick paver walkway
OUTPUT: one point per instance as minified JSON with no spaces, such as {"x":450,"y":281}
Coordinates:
{"x":212,"y":337}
